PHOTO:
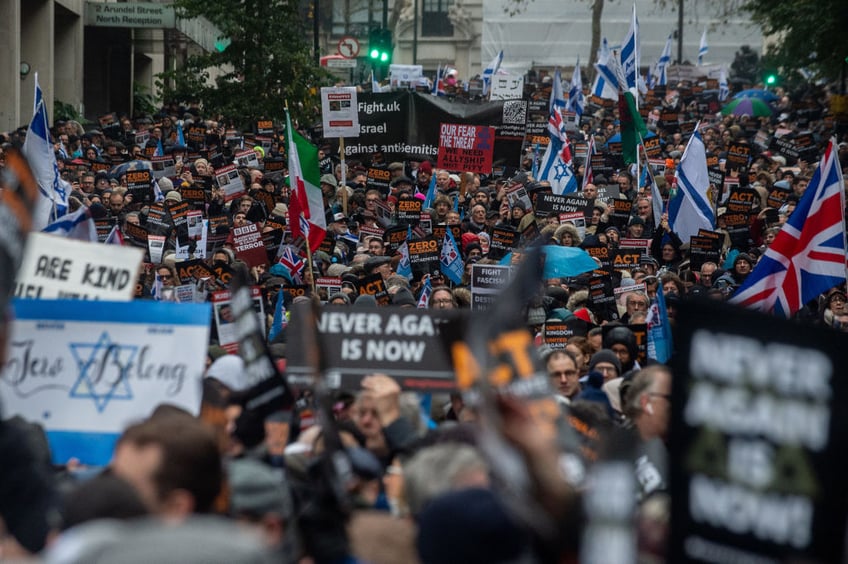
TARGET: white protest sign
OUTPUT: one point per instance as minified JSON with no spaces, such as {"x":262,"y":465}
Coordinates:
{"x":86,"y":370}
{"x":229,"y":181}
{"x":405,"y":74}
{"x":507,"y":87}
{"x":55,"y":268}
{"x":339,"y":112}
{"x":247,"y":158}
{"x":163,"y":166}
{"x":156,"y":246}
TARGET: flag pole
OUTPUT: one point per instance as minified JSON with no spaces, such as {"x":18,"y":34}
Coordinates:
{"x":344,"y":174}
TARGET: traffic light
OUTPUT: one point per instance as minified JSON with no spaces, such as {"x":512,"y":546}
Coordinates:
{"x":222,"y":43}
{"x":380,"y":46}
{"x":771,"y":79}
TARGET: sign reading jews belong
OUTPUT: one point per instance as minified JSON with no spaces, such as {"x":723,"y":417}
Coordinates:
{"x":757,"y":439}
{"x":402,"y":343}
{"x":86,"y":370}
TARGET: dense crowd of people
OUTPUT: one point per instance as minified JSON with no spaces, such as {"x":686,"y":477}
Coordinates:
{"x":222,"y":487}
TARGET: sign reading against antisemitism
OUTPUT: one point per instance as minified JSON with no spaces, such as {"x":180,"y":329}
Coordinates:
{"x":466,"y":147}
{"x":55,"y":268}
{"x":758,"y":439}
{"x":403,"y":343}
{"x":86,"y":370}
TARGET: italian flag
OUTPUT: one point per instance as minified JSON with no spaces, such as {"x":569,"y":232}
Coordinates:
{"x":306,"y":205}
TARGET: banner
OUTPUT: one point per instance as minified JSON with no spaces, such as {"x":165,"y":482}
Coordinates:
{"x":466,"y":148}
{"x":86,"y":370}
{"x":487,"y":282}
{"x":758,"y":437}
{"x":56,"y":268}
{"x":403,"y":343}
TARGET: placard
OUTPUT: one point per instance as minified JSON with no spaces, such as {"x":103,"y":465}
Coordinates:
{"x":86,"y":370}
{"x":555,"y":204}
{"x":403,"y":343}
{"x":339,"y":112}
{"x":758,"y":429}
{"x":163,"y":166}
{"x":248,"y":245}
{"x":487,"y":282}
{"x":229,"y":180}
{"x":503,"y":241}
{"x":408,"y":211}
{"x":225,"y":318}
{"x":424,"y":256}
{"x":507,"y":87}
{"x":247,"y":158}
{"x":59,"y":268}
{"x":139,"y":186}
{"x":467,"y":148}
{"x":374,"y":285}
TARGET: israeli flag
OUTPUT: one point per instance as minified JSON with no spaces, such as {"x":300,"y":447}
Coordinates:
{"x":690,"y":209}
{"x":723,"y":88}
{"x":606,"y":81}
{"x":557,"y":96}
{"x":575,"y":93}
{"x":404,"y":267}
{"x":630,"y":55}
{"x":38,"y":150}
{"x":662,"y":64}
{"x":703,"y":48}
{"x":557,"y":164}
{"x":75,"y":225}
{"x":490,"y":71}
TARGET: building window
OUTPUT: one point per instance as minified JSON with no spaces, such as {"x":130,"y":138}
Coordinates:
{"x":355,"y":17}
{"x":434,"y":19}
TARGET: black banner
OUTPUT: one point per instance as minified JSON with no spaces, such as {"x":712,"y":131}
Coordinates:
{"x":757,"y":439}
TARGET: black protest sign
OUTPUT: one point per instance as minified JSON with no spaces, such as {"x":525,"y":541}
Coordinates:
{"x":328,"y":244}
{"x":738,"y":155}
{"x":504,"y":241}
{"x":272,"y":240}
{"x":778,"y":196}
{"x":703,"y":249}
{"x":394,"y":238}
{"x":136,"y":234}
{"x":626,"y":259}
{"x":602,"y":253}
{"x":293,"y":291}
{"x":194,"y":194}
{"x":269,"y":391}
{"x":378,"y":177}
{"x":602,"y":297}
{"x":408,"y":211}
{"x":556,"y":334}
{"x":178,"y":212}
{"x":264,"y":127}
{"x":640,"y":333}
{"x":737,"y":219}
{"x":403,"y":343}
{"x":423,"y":256}
{"x":757,"y":438}
{"x":555,"y":204}
{"x":653,"y":147}
{"x":195,"y":270}
{"x":487,"y":282}
{"x":104,"y":227}
{"x":157,"y":220}
{"x":621,"y":210}
{"x":440,"y":230}
{"x":716,"y":176}
{"x":139,"y":186}
{"x":374,"y":285}
{"x":530,"y":233}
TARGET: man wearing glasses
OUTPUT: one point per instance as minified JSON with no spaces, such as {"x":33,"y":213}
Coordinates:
{"x":648,"y":408}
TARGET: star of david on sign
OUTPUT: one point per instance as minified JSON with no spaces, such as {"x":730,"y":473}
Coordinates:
{"x":103,"y":368}
{"x":483,"y":139}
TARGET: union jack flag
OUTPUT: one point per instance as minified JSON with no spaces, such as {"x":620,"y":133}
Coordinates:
{"x":808,"y":255}
{"x":291,"y":260}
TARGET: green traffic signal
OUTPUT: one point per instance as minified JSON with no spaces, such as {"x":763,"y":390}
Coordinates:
{"x":771,"y":79}
{"x":380,"y":46}
{"x":222,"y":43}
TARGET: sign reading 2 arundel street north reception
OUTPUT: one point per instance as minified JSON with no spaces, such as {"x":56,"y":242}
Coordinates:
{"x":131,"y":14}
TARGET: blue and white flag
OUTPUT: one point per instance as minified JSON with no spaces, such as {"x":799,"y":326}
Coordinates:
{"x":160,"y":150}
{"x":157,"y":290}
{"x":630,"y":56}
{"x":490,"y":71}
{"x":723,"y":88}
{"x":280,"y":320}
{"x":690,"y":209}
{"x":180,"y":134}
{"x":431,"y":193}
{"x":703,"y":48}
{"x":606,"y":81}
{"x":664,"y":61}
{"x":557,"y":165}
{"x":426,"y":290}
{"x":450,"y":261}
{"x":659,"y":329}
{"x":75,"y":225}
{"x":53,"y":192}
{"x":404,"y":267}
{"x":656,"y":197}
{"x":557,"y":96}
{"x":575,"y":93}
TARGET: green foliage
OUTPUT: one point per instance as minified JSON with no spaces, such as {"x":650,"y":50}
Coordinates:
{"x":267,"y":62}
{"x":746,"y":65}
{"x":143,"y":102}
{"x":64,"y":111}
{"x":808,"y":33}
